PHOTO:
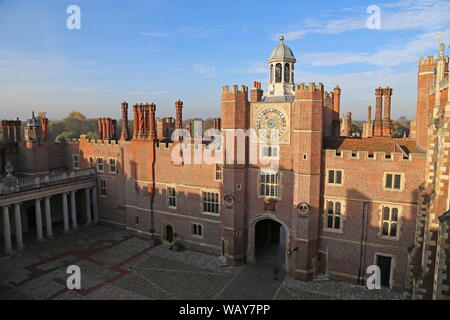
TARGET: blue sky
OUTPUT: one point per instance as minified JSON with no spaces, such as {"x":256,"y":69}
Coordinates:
{"x":161,"y":51}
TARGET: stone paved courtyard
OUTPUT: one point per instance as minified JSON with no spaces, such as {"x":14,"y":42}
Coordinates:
{"x":115,"y":265}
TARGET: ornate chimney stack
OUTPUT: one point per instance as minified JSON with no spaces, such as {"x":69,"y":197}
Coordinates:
{"x":152,"y":121}
{"x":135,"y":121}
{"x":377,"y":131}
{"x":5,"y":130}
{"x":336,"y":111}
{"x":141,"y":125}
{"x":387,"y":127}
{"x":179,"y":114}
{"x":217,"y":123}
{"x":369,"y":114}
{"x":337,"y":101}
{"x":100,"y":128}
{"x":125,"y":134}
{"x":44,"y":126}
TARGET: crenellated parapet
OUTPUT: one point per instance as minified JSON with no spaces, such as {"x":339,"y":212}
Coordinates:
{"x":312,"y":91}
{"x":377,"y":156}
{"x":235,"y":93}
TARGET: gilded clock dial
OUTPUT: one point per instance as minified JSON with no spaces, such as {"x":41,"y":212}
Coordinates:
{"x":273,"y":121}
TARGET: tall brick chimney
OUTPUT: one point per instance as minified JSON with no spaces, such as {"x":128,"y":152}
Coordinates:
{"x":387,"y":124}
{"x":113,"y":129}
{"x":135,"y":121}
{"x":44,"y":128}
{"x":152,"y":121}
{"x":179,"y":114}
{"x":337,"y":100}
{"x":256,"y":92}
{"x":377,"y":130}
{"x":346,"y":130}
{"x":100,"y":128}
{"x":125,"y":134}
{"x":217,"y":123}
{"x":336,"y":110}
{"x":5,"y":130}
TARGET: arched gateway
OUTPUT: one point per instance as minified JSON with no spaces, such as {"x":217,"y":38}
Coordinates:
{"x":268,"y":241}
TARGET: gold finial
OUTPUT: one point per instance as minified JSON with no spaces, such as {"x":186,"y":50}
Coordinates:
{"x":439,"y":36}
{"x":281,"y":38}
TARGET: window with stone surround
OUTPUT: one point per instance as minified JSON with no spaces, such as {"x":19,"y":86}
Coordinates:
{"x":269,"y":184}
{"x":100,"y":165}
{"x":210,"y":202}
{"x":218,"y":169}
{"x":393,"y":181}
{"x":197,"y":229}
{"x":76,"y":161}
{"x":333,"y":215}
{"x":91,"y":162}
{"x":112,"y":165}
{"x":390,"y":218}
{"x":103,"y":188}
{"x":269,"y":152}
{"x":171,"y":197}
{"x":335,"y":177}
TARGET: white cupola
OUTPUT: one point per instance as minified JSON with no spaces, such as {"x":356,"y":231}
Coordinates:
{"x":281,"y":71}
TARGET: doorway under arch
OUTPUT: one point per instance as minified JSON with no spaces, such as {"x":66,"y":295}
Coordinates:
{"x":268,"y":240}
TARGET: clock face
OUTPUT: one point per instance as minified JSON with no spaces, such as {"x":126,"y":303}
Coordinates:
{"x":272,"y":121}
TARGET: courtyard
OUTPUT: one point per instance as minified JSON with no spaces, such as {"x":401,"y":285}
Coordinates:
{"x":116,"y":265}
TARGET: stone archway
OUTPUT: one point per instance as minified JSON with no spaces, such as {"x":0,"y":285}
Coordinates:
{"x":266,"y":231}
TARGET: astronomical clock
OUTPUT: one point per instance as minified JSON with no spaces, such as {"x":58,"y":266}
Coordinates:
{"x":272,"y":120}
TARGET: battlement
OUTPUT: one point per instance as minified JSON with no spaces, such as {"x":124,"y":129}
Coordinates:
{"x":312,"y":87}
{"x":234,"y":89}
{"x":427,"y":60}
{"x":378,"y":156}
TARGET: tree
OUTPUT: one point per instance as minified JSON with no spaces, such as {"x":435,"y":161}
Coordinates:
{"x":399,"y":130}
{"x":65,"y":135}
{"x":91,"y":136}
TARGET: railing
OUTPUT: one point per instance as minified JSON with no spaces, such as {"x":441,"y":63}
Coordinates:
{"x":42,"y":180}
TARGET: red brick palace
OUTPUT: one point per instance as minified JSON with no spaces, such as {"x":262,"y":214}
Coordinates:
{"x":338,"y":203}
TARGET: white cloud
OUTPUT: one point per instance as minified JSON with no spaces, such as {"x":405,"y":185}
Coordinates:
{"x":256,"y":67}
{"x":207,"y":71}
{"x":403,"y":15}
{"x":358,"y":89}
{"x":391,"y":56}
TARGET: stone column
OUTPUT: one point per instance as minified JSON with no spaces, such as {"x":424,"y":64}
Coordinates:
{"x":65,"y":213}
{"x":88,"y":206}
{"x":48,"y":217}
{"x":18,"y":223}
{"x":94,"y":204}
{"x":7,"y":229}
{"x":73,"y":209}
{"x":38,"y":213}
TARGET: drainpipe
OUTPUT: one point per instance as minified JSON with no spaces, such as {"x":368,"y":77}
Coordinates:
{"x":363,"y":243}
